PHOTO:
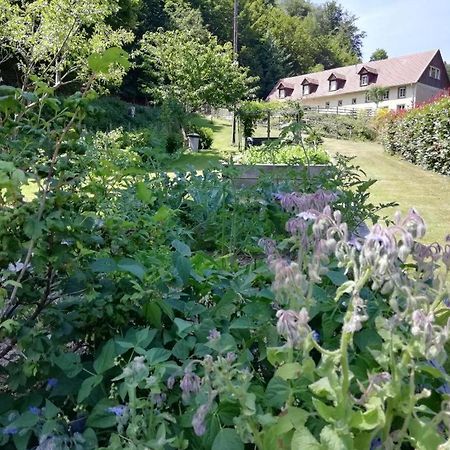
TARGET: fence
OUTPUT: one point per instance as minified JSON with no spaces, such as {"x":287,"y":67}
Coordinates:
{"x":339,"y":110}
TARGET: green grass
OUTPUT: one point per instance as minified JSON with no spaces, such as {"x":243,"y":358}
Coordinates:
{"x":403,"y":182}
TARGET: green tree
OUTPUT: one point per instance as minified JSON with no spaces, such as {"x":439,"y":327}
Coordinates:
{"x":52,"y":39}
{"x":195,"y":72}
{"x":379,"y":54}
{"x":376,"y":94}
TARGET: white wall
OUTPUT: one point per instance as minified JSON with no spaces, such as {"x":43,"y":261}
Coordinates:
{"x":392,"y":103}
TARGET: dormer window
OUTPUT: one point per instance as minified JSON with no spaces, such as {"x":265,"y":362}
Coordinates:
{"x":435,"y":73}
{"x":285,"y":90}
{"x":367,"y":75}
{"x":309,"y":86}
{"x":336,"y":81}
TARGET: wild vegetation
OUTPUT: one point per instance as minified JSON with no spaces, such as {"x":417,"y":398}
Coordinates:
{"x":143,"y":307}
{"x":421,"y":136}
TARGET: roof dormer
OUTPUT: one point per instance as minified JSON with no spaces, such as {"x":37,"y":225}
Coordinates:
{"x":309,"y":85}
{"x":336,"y":81}
{"x":285,"y":90}
{"x":368,"y":75}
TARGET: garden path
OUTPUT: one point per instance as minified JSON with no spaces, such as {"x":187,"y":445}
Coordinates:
{"x":403,"y":182}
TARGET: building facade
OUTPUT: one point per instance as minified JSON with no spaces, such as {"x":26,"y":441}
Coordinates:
{"x":406,"y":82}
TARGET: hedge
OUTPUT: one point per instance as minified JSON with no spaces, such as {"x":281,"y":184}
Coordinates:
{"x":421,"y":135}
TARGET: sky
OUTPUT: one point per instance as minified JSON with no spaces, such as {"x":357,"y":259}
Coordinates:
{"x":402,"y":27}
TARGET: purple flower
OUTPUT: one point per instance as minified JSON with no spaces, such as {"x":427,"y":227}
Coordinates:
{"x":190,"y":384}
{"x":34,"y":410}
{"x":198,"y":420}
{"x":231,"y":357}
{"x":213,"y":335}
{"x":171,"y":382}
{"x":159,"y":399}
{"x":293,"y":325}
{"x":51,"y":383}
{"x":118,"y":411}
{"x":10,"y":431}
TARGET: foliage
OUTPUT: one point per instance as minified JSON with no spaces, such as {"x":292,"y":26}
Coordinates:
{"x":421,"y":136}
{"x":376,"y":94}
{"x":205,"y":133}
{"x":191,"y":66}
{"x":284,"y":154}
{"x":52,"y":40}
{"x":358,"y":127}
{"x":379,"y":54}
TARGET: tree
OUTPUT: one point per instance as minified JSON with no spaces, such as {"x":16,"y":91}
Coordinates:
{"x":195,"y":72}
{"x":379,"y":54}
{"x":52,"y":39}
{"x":376,"y":94}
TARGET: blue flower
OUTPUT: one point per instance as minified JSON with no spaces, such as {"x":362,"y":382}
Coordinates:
{"x":376,"y":443}
{"x":118,"y":411}
{"x":316,"y":335}
{"x":34,"y":410}
{"x":51,"y":383}
{"x":10,"y":431}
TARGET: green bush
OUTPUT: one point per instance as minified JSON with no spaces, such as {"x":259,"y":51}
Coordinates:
{"x":206,"y":135}
{"x":421,"y":136}
{"x":342,"y":127}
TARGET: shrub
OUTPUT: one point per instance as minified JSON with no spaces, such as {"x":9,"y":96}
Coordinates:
{"x":206,"y":135}
{"x":421,"y":136}
{"x":342,"y":127}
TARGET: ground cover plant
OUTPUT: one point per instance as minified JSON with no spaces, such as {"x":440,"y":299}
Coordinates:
{"x":421,"y":136}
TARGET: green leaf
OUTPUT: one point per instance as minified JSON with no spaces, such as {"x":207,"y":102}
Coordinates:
{"x":183,"y":267}
{"x":162,"y":214}
{"x":368,"y":420}
{"x":183,"y":327}
{"x":157,"y":355}
{"x":227,"y":439}
{"x":277,"y":392}
{"x":328,"y":413}
{"x":277,"y":355}
{"x":33,"y":228}
{"x":69,"y":363}
{"x":331,"y":440}
{"x":182,"y":248}
{"x":132,"y":266}
{"x":21,"y":440}
{"x":26,"y":420}
{"x":322,"y":388}
{"x":100,"y":417}
{"x":289,"y":371}
{"x":87,"y":386}
{"x":337,"y":277}
{"x":50,"y":410}
{"x":105,"y":360}
{"x":102,"y":62}
{"x":152,"y":313}
{"x":144,"y":194}
{"x":304,"y":440}
{"x":424,"y":436}
{"x":105,"y":265}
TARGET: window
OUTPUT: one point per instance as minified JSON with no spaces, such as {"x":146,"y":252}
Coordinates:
{"x":333,"y":85}
{"x":386,"y":95}
{"x":282,"y":93}
{"x":306,"y":89}
{"x":339,"y":102}
{"x":327,"y":104}
{"x":353,"y":101}
{"x":364,"y":80}
{"x":402,"y":92}
{"x":400,"y":107}
{"x":435,"y":73}
{"x":368,"y":100}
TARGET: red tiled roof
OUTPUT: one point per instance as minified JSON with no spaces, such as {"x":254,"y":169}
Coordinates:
{"x":391,"y":72}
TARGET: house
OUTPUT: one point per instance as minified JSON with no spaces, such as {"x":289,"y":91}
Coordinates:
{"x":408,"y":80}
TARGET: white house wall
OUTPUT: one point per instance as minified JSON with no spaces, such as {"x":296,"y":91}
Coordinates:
{"x":392,"y":103}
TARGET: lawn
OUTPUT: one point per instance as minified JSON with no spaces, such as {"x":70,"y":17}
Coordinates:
{"x":403,"y":182}
{"x":398,"y":180}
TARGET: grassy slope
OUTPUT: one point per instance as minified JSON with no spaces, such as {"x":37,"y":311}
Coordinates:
{"x":402,"y":182}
